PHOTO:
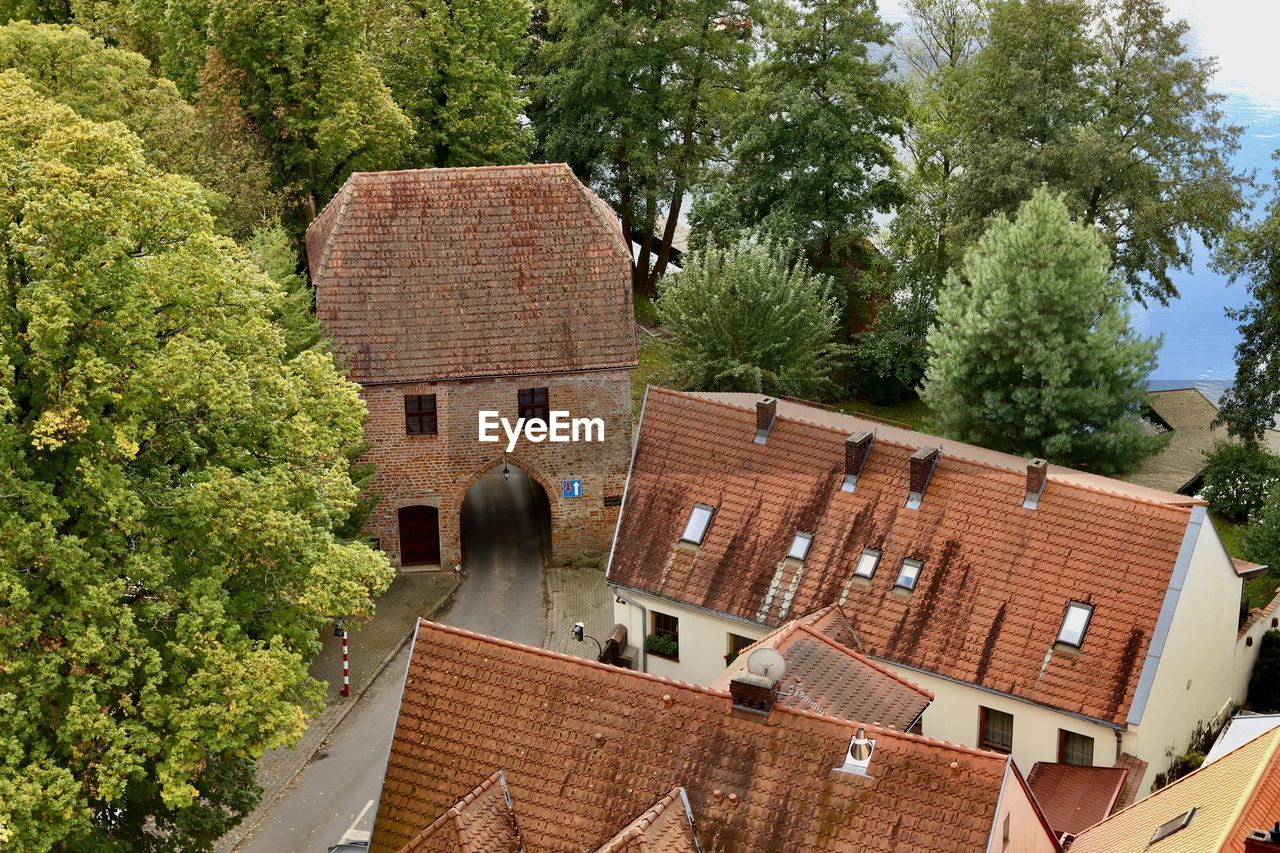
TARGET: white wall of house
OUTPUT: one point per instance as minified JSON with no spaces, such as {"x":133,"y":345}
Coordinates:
{"x":704,"y":637}
{"x":1017,"y":827}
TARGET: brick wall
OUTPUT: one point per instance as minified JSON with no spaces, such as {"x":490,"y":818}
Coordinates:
{"x":437,"y":470}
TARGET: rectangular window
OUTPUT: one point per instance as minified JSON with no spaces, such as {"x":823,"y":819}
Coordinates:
{"x":1169,"y":827}
{"x":1074,"y":748}
{"x":534,"y":403}
{"x":1075,"y":623}
{"x":867,"y":563}
{"x":420,"y":414}
{"x":800,"y":546}
{"x":995,"y":730}
{"x":665,"y":639}
{"x":696,"y":528}
{"x":736,"y":645}
{"x":909,"y":574}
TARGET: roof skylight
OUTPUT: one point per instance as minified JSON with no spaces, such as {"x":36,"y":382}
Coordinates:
{"x":867,"y":563}
{"x":696,"y":528}
{"x":800,"y":546}
{"x":1075,"y":623}
{"x":909,"y":573}
{"x":1169,"y":827}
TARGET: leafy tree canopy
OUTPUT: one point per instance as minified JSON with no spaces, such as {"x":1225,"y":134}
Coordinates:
{"x":1034,"y":352}
{"x":750,"y":318}
{"x":1238,"y":477}
{"x":170,"y":480}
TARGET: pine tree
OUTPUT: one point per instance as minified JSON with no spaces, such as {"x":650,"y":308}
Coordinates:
{"x":1034,"y":352}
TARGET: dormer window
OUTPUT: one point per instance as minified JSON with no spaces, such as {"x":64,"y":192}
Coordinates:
{"x":867,"y":563}
{"x":1075,"y":623}
{"x":909,"y":574}
{"x":800,"y":546}
{"x":696,"y":528}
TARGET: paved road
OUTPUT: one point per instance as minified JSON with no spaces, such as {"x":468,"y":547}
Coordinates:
{"x":504,"y":529}
{"x":505,"y":535}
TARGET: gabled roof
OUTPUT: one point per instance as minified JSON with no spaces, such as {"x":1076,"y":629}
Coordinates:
{"x":663,"y":828}
{"x":481,"y":822}
{"x":1074,"y":797}
{"x":996,"y":578}
{"x":826,"y":677}
{"x":586,"y":746}
{"x":1232,"y":796}
{"x":449,"y":273}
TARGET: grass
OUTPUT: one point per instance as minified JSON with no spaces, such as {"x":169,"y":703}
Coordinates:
{"x":912,"y":413}
{"x":1260,"y":589}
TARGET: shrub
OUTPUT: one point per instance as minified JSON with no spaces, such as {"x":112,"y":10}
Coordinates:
{"x":1264,"y":684}
{"x":1238,"y":477}
{"x":661,"y":644}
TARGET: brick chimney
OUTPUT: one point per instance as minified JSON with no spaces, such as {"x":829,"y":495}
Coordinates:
{"x":1037,"y":476}
{"x":753,"y":692}
{"x":1263,"y":840}
{"x":857,"y":448}
{"x":766,"y":414}
{"x":923,"y":462}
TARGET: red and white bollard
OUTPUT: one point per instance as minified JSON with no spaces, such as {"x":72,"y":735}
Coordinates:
{"x":346,"y":667}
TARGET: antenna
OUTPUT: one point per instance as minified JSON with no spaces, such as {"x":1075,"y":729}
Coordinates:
{"x":767,"y":662}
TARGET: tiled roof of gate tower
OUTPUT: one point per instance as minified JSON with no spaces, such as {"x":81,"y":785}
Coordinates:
{"x":452,"y":273}
{"x":996,"y":578}
{"x":587,"y":747}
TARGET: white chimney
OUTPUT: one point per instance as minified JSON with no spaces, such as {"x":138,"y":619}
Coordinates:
{"x":858,"y":759}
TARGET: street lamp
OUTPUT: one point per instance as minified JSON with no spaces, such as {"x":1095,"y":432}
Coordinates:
{"x":506,"y":472}
{"x":580,"y":634}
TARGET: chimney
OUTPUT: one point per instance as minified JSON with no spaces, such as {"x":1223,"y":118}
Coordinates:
{"x":923,"y":462}
{"x":1263,"y":841}
{"x":857,"y":448}
{"x":753,"y":692}
{"x":1037,"y":476}
{"x":766,"y":414}
{"x":858,"y":759}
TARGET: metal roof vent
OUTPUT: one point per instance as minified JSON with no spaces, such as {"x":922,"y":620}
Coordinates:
{"x":858,"y":759}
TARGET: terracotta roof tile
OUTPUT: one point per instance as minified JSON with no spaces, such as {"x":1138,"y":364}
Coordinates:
{"x":826,"y":677}
{"x":1232,"y":796}
{"x":1073,"y":797}
{"x":663,"y":828}
{"x":481,"y":822}
{"x":447,"y":273}
{"x":585,"y":746}
{"x":996,"y":578}
{"x":1137,"y":772}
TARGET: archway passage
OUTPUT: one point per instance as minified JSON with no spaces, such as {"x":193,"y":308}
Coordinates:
{"x":419,"y":536}
{"x":506,"y":538}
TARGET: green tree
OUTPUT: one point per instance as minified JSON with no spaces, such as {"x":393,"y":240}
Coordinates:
{"x":1102,"y":102}
{"x":629,"y":91}
{"x":1034,"y":352}
{"x":273,"y":252}
{"x":812,"y":142}
{"x":1250,"y":405}
{"x":1237,"y":478}
{"x":451,"y":66}
{"x":107,"y":84}
{"x":170,"y":483}
{"x":1264,"y":683}
{"x":750,"y":318}
{"x":299,"y":71}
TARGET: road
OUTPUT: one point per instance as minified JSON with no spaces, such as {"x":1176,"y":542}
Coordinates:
{"x":505,"y":535}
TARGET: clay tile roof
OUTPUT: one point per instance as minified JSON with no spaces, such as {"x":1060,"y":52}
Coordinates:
{"x":1073,"y":797}
{"x":449,"y":273}
{"x":826,"y":677}
{"x":481,"y":822}
{"x":1232,"y":796}
{"x":1246,"y":569}
{"x":1137,"y":772}
{"x":663,"y":828}
{"x":586,"y":746}
{"x":996,"y":578}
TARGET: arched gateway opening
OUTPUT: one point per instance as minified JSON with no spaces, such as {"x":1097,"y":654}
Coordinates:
{"x":505,"y":527}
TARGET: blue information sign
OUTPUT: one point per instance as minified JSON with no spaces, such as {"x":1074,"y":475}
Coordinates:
{"x":571,"y":489}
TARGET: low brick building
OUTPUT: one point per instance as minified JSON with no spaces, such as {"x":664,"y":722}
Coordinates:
{"x":452,"y":291}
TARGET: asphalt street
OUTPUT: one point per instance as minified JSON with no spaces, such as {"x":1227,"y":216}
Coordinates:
{"x":506,"y":532}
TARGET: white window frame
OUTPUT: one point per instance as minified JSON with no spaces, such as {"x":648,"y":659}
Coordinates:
{"x":868,"y":554}
{"x":1075,"y":607}
{"x":918,"y":565}
{"x":800,"y":545}
{"x":689,"y":526}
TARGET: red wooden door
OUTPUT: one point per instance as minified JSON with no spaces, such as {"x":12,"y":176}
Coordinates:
{"x":419,"y":536}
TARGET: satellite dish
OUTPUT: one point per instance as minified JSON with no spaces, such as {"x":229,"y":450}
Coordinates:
{"x":767,"y":662}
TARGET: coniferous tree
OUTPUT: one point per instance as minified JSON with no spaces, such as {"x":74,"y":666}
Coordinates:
{"x":1034,"y":351}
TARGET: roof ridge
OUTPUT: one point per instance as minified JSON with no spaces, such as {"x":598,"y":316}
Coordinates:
{"x":346,"y":192}
{"x":949,"y":455}
{"x":440,"y":170}
{"x":854,"y":653}
{"x":593,"y":202}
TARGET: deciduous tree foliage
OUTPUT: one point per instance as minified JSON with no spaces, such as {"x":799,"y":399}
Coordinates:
{"x":107,"y":84}
{"x":1033,"y":352}
{"x":1102,"y":102}
{"x":750,"y":317}
{"x":451,"y":66}
{"x":811,"y":144}
{"x":1250,"y":405}
{"x":629,"y":90}
{"x":170,"y":480}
